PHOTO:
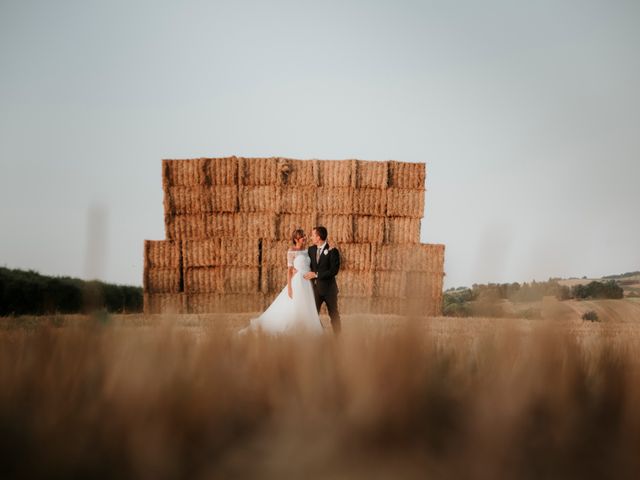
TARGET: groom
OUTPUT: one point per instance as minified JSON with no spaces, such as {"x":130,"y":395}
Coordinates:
{"x":325,"y":264}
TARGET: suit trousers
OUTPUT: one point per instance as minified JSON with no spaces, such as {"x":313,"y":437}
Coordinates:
{"x":331,"y":300}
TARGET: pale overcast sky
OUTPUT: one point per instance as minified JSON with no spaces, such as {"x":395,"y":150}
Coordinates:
{"x":527,"y":115}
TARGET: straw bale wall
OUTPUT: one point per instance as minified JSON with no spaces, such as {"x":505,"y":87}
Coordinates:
{"x":372,"y":174}
{"x":260,"y":198}
{"x":221,"y":171}
{"x":368,"y":229}
{"x":288,"y":222}
{"x":274,"y":253}
{"x":294,"y":199}
{"x":298,"y":173}
{"x":407,"y":175}
{"x":161,"y":253}
{"x":339,"y":226}
{"x":228,"y":223}
{"x":164,"y":303}
{"x":356,"y":283}
{"x":404,"y":202}
{"x":334,"y":200}
{"x":337,"y":173}
{"x":162,"y":280}
{"x":402,"y":230}
{"x":273,"y":279}
{"x":258,"y":171}
{"x":370,"y":201}
{"x":223,"y":303}
{"x":355,"y":256}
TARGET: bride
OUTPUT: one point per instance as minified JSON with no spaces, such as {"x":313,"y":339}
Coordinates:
{"x":295,"y":307}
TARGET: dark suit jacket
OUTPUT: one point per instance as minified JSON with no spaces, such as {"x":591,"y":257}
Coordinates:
{"x":327,"y":269}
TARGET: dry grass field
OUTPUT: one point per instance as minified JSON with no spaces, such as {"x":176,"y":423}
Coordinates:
{"x":184,"y":397}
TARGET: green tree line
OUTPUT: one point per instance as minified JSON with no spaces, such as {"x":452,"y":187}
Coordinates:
{"x":26,"y":292}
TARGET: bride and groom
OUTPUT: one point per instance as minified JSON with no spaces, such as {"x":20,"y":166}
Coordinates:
{"x":311,"y":281}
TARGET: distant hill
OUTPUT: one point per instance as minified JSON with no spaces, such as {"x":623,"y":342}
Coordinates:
{"x":26,"y":292}
{"x":623,"y":275}
{"x":611,"y":297}
{"x":630,"y":282}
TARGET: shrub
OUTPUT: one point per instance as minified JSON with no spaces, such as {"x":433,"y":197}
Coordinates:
{"x":591,"y":316}
{"x":608,"y":289}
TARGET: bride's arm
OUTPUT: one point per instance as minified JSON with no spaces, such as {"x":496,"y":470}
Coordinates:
{"x":291,"y":271}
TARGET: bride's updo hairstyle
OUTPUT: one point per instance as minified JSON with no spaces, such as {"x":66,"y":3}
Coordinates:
{"x":296,"y":234}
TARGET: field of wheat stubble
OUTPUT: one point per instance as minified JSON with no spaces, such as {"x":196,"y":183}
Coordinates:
{"x":184,"y":396}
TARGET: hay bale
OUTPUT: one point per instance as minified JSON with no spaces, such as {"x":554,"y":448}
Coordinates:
{"x":273,"y":279}
{"x":224,"y":303}
{"x":202,"y":253}
{"x":336,"y":173}
{"x":339,"y":227}
{"x":371,"y":174}
{"x":268,"y":299}
{"x":408,"y":257}
{"x":183,"y":172}
{"x":407,"y":175}
{"x":389,"y":284}
{"x":387,"y":257}
{"x":201,"y":199}
{"x":287,"y":222}
{"x":424,"y":293}
{"x":230,"y":251}
{"x":164,"y":303}
{"x":355,"y":256}
{"x":370,"y":201}
{"x":241,"y":279}
{"x":354,"y":305}
{"x":258,"y":198}
{"x":388,"y":306}
{"x":395,"y":257}
{"x":222,"y":198}
{"x":258,"y":171}
{"x":255,"y":225}
{"x":402,"y":230}
{"x":426,"y":258}
{"x":241,"y":252}
{"x":219,"y":225}
{"x":368,"y":229}
{"x":353,"y":283}
{"x":161,"y":253}
{"x":221,"y":171}
{"x":204,"y":303}
{"x":204,"y":280}
{"x":162,"y":280}
{"x":301,"y":173}
{"x":183,"y":227}
{"x":297,"y":199}
{"x":402,"y":202}
{"x":243,"y":225}
{"x":423,"y":285}
{"x":424,"y":307}
{"x":334,"y":200}
{"x":182,"y":200}
{"x":274,"y":253}
{"x":166,"y":200}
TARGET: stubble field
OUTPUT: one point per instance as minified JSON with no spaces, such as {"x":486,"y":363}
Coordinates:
{"x":185,"y":397}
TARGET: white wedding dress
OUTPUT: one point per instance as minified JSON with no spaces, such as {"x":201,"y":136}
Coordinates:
{"x":291,"y":314}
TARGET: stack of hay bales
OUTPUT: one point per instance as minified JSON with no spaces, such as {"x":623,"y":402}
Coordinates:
{"x":228,"y":222}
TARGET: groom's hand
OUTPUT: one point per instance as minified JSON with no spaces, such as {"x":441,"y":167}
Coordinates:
{"x":310,"y":275}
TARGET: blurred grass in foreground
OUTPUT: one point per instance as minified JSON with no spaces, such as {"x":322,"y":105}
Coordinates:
{"x":430,"y":398}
